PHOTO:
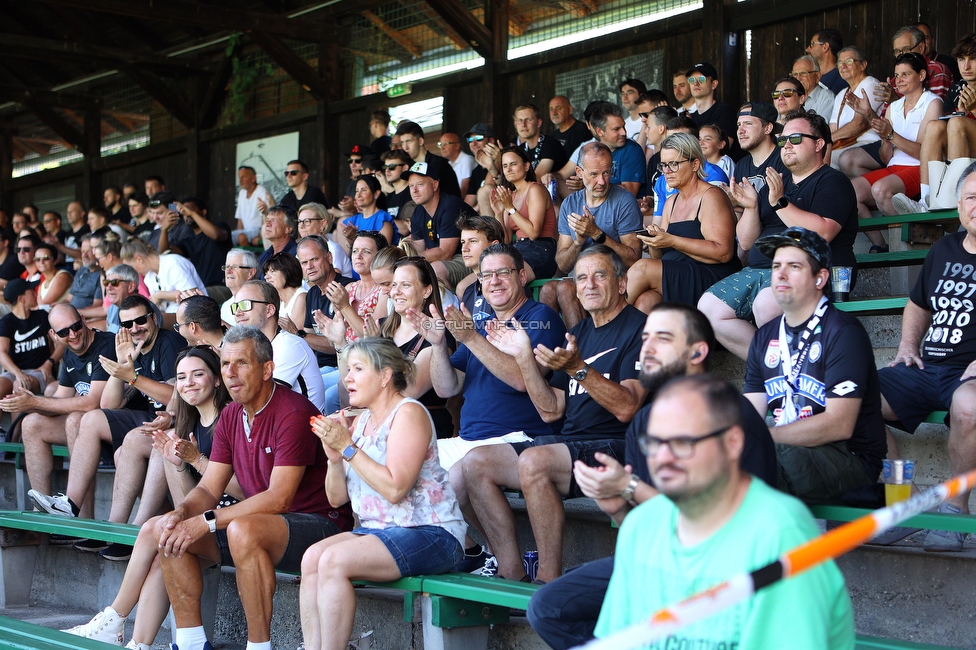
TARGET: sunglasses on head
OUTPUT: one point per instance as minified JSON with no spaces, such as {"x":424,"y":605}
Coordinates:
{"x":155,"y":204}
{"x":138,"y":320}
{"x":74,"y":327}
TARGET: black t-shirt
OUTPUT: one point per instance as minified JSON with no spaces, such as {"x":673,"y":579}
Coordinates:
{"x":442,"y":224}
{"x":723,"y":115}
{"x":159,"y":364}
{"x":10,"y":268}
{"x":745,"y":169}
{"x":73,"y":239}
{"x":758,"y":455}
{"x":381,"y":144}
{"x":395,"y":203}
{"x":123,"y":215}
{"x":549,"y":148}
{"x":204,"y":438}
{"x":828,"y":193}
{"x":477,"y":179}
{"x":612,"y":350}
{"x":947,"y":288}
{"x":315,"y":299}
{"x":839,"y":364}
{"x":650,"y":176}
{"x":144,"y":230}
{"x":79,"y":371}
{"x":572,"y":137}
{"x":447,"y":179}
{"x":834,"y":81}
{"x":312,"y":195}
{"x":28,"y":344}
{"x":207,"y":254}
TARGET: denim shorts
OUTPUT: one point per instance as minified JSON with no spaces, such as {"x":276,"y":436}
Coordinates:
{"x":304,"y":529}
{"x":418,"y":550}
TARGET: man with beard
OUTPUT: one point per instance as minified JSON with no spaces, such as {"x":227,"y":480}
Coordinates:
{"x":677,"y":341}
{"x":713,"y":521}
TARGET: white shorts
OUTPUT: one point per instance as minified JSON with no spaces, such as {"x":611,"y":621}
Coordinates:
{"x":451,"y":450}
{"x":37,"y":374}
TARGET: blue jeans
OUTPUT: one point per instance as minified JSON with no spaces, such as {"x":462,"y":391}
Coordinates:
{"x":564,"y":612}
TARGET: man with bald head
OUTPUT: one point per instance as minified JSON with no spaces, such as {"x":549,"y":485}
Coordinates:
{"x":569,"y":131}
{"x":462,"y":163}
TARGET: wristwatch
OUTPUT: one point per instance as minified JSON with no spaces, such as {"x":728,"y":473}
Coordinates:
{"x":890,"y":136}
{"x":349,"y":452}
{"x":580,"y":374}
{"x":628,"y":492}
{"x":301,"y":333}
{"x":782,"y":203}
{"x":211,"y":518}
{"x":511,"y":211}
{"x":602,"y":237}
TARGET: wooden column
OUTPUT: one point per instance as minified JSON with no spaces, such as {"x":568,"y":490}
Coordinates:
{"x":6,"y":165}
{"x":721,"y":48}
{"x":326,"y":125}
{"x":91,"y":190}
{"x":498,"y":103}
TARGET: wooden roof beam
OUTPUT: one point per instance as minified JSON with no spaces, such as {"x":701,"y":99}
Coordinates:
{"x":214,"y":17}
{"x":31,"y":47}
{"x":434,"y":23}
{"x":464,"y":23}
{"x":163,"y":92}
{"x":394,"y":35}
{"x":294,"y":65}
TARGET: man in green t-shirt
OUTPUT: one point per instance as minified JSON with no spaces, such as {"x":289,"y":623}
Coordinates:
{"x":711,"y":522}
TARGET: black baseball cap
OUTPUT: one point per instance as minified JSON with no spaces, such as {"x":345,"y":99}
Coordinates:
{"x":764,"y":111}
{"x":480,"y":129}
{"x":360,"y":150}
{"x":421,"y":168}
{"x":16,"y":288}
{"x":706,"y":69}
{"x":806,"y":240}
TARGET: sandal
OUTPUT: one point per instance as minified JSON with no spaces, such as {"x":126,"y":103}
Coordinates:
{"x":878,"y":249}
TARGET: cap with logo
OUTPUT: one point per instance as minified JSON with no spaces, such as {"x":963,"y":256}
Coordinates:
{"x":806,"y":240}
{"x":360,"y":150}
{"x":706,"y":69}
{"x":422,"y":169}
{"x":480,"y":129}
{"x":16,"y":288}
{"x":764,"y":111}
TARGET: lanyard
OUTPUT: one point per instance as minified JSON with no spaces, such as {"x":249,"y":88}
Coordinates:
{"x":791,"y":371}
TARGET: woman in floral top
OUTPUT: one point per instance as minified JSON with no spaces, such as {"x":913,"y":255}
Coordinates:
{"x":358,"y":300}
{"x":385,"y":462}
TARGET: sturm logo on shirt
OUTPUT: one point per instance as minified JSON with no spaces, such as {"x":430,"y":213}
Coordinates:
{"x":844,"y":388}
{"x":27,"y":346}
{"x":815,"y":350}
{"x":772,"y":354}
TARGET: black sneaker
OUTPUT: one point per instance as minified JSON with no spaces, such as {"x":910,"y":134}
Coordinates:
{"x":63,"y":540}
{"x":472,"y":563}
{"x":116,"y":552}
{"x":91,"y":546}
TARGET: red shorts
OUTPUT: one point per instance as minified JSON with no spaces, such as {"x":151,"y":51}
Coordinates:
{"x":909,"y":175}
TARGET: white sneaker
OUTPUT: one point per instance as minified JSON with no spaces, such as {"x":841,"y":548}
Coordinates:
{"x":905,"y":205}
{"x":132,"y":645}
{"x":56,"y":505}
{"x":489,"y":570}
{"x":106,"y":626}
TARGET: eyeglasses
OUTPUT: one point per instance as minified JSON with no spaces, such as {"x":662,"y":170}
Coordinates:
{"x":25,"y":250}
{"x":645,"y":115}
{"x":74,"y":327}
{"x":849,"y":61}
{"x":905,"y":50}
{"x":292,"y":172}
{"x":503,"y":274}
{"x":803,"y":73}
{"x":681,"y":446}
{"x":245,"y":305}
{"x":42,"y":259}
{"x":114,"y":282}
{"x":138,"y":320}
{"x":302,"y":222}
{"x":475,"y":138}
{"x":354,"y":161}
{"x":236,"y":267}
{"x":177,"y":326}
{"x":812,"y":43}
{"x":794,"y":139}
{"x":786,"y":92}
{"x":699,"y":79}
{"x":670,"y":166}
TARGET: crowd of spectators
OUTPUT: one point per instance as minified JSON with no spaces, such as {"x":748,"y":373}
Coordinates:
{"x":382,"y":355}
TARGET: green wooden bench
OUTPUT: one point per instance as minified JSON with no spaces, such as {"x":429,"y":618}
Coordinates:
{"x":17,"y":449}
{"x":897,"y":258}
{"x":22,"y":635}
{"x":926,"y":520}
{"x":878,"y":223}
{"x":873,"y":306}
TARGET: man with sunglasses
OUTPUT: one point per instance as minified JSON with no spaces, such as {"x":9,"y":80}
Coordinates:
{"x":147,"y":363}
{"x":814,"y":369}
{"x":54,"y":419}
{"x":121,"y":281}
{"x":676,"y":341}
{"x":10,"y":266}
{"x":713,"y":521}
{"x":814,"y":196}
{"x":482,"y":180}
{"x":240,"y":265}
{"x":399,"y":203}
{"x":703,"y":79}
{"x":25,"y":255}
{"x":257,"y":305}
{"x":300,"y":192}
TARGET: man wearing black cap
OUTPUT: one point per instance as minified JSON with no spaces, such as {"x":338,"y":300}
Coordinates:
{"x":818,"y":198}
{"x":814,"y":369}
{"x":434,"y":223}
{"x":25,"y":350}
{"x":412,"y":140}
{"x":483,"y":175}
{"x":703,"y":80}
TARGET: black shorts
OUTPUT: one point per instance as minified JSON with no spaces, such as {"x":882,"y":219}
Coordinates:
{"x":913,"y":392}
{"x":583,"y":450}
{"x":122,"y":421}
{"x":304,"y":529}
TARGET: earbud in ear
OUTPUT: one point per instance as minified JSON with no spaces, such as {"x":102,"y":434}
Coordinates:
{"x":696,"y":354}
{"x":818,"y":282}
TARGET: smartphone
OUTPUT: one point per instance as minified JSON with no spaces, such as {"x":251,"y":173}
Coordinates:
{"x":643,"y":232}
{"x":173,"y":207}
{"x":952,"y":115}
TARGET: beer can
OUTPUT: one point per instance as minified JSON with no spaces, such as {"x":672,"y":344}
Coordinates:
{"x":551,"y":186}
{"x":531,"y":563}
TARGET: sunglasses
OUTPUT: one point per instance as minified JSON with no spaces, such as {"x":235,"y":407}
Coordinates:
{"x":475,"y":138}
{"x":292,"y":172}
{"x":794,"y":139}
{"x":114,"y":282}
{"x":645,"y":115}
{"x":74,"y":327}
{"x":138,"y":320}
{"x":42,"y":259}
{"x":25,"y":250}
{"x":245,"y":305}
{"x":786,"y":92}
{"x":699,"y":79}
{"x":390,"y":168}
{"x":354,"y":161}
